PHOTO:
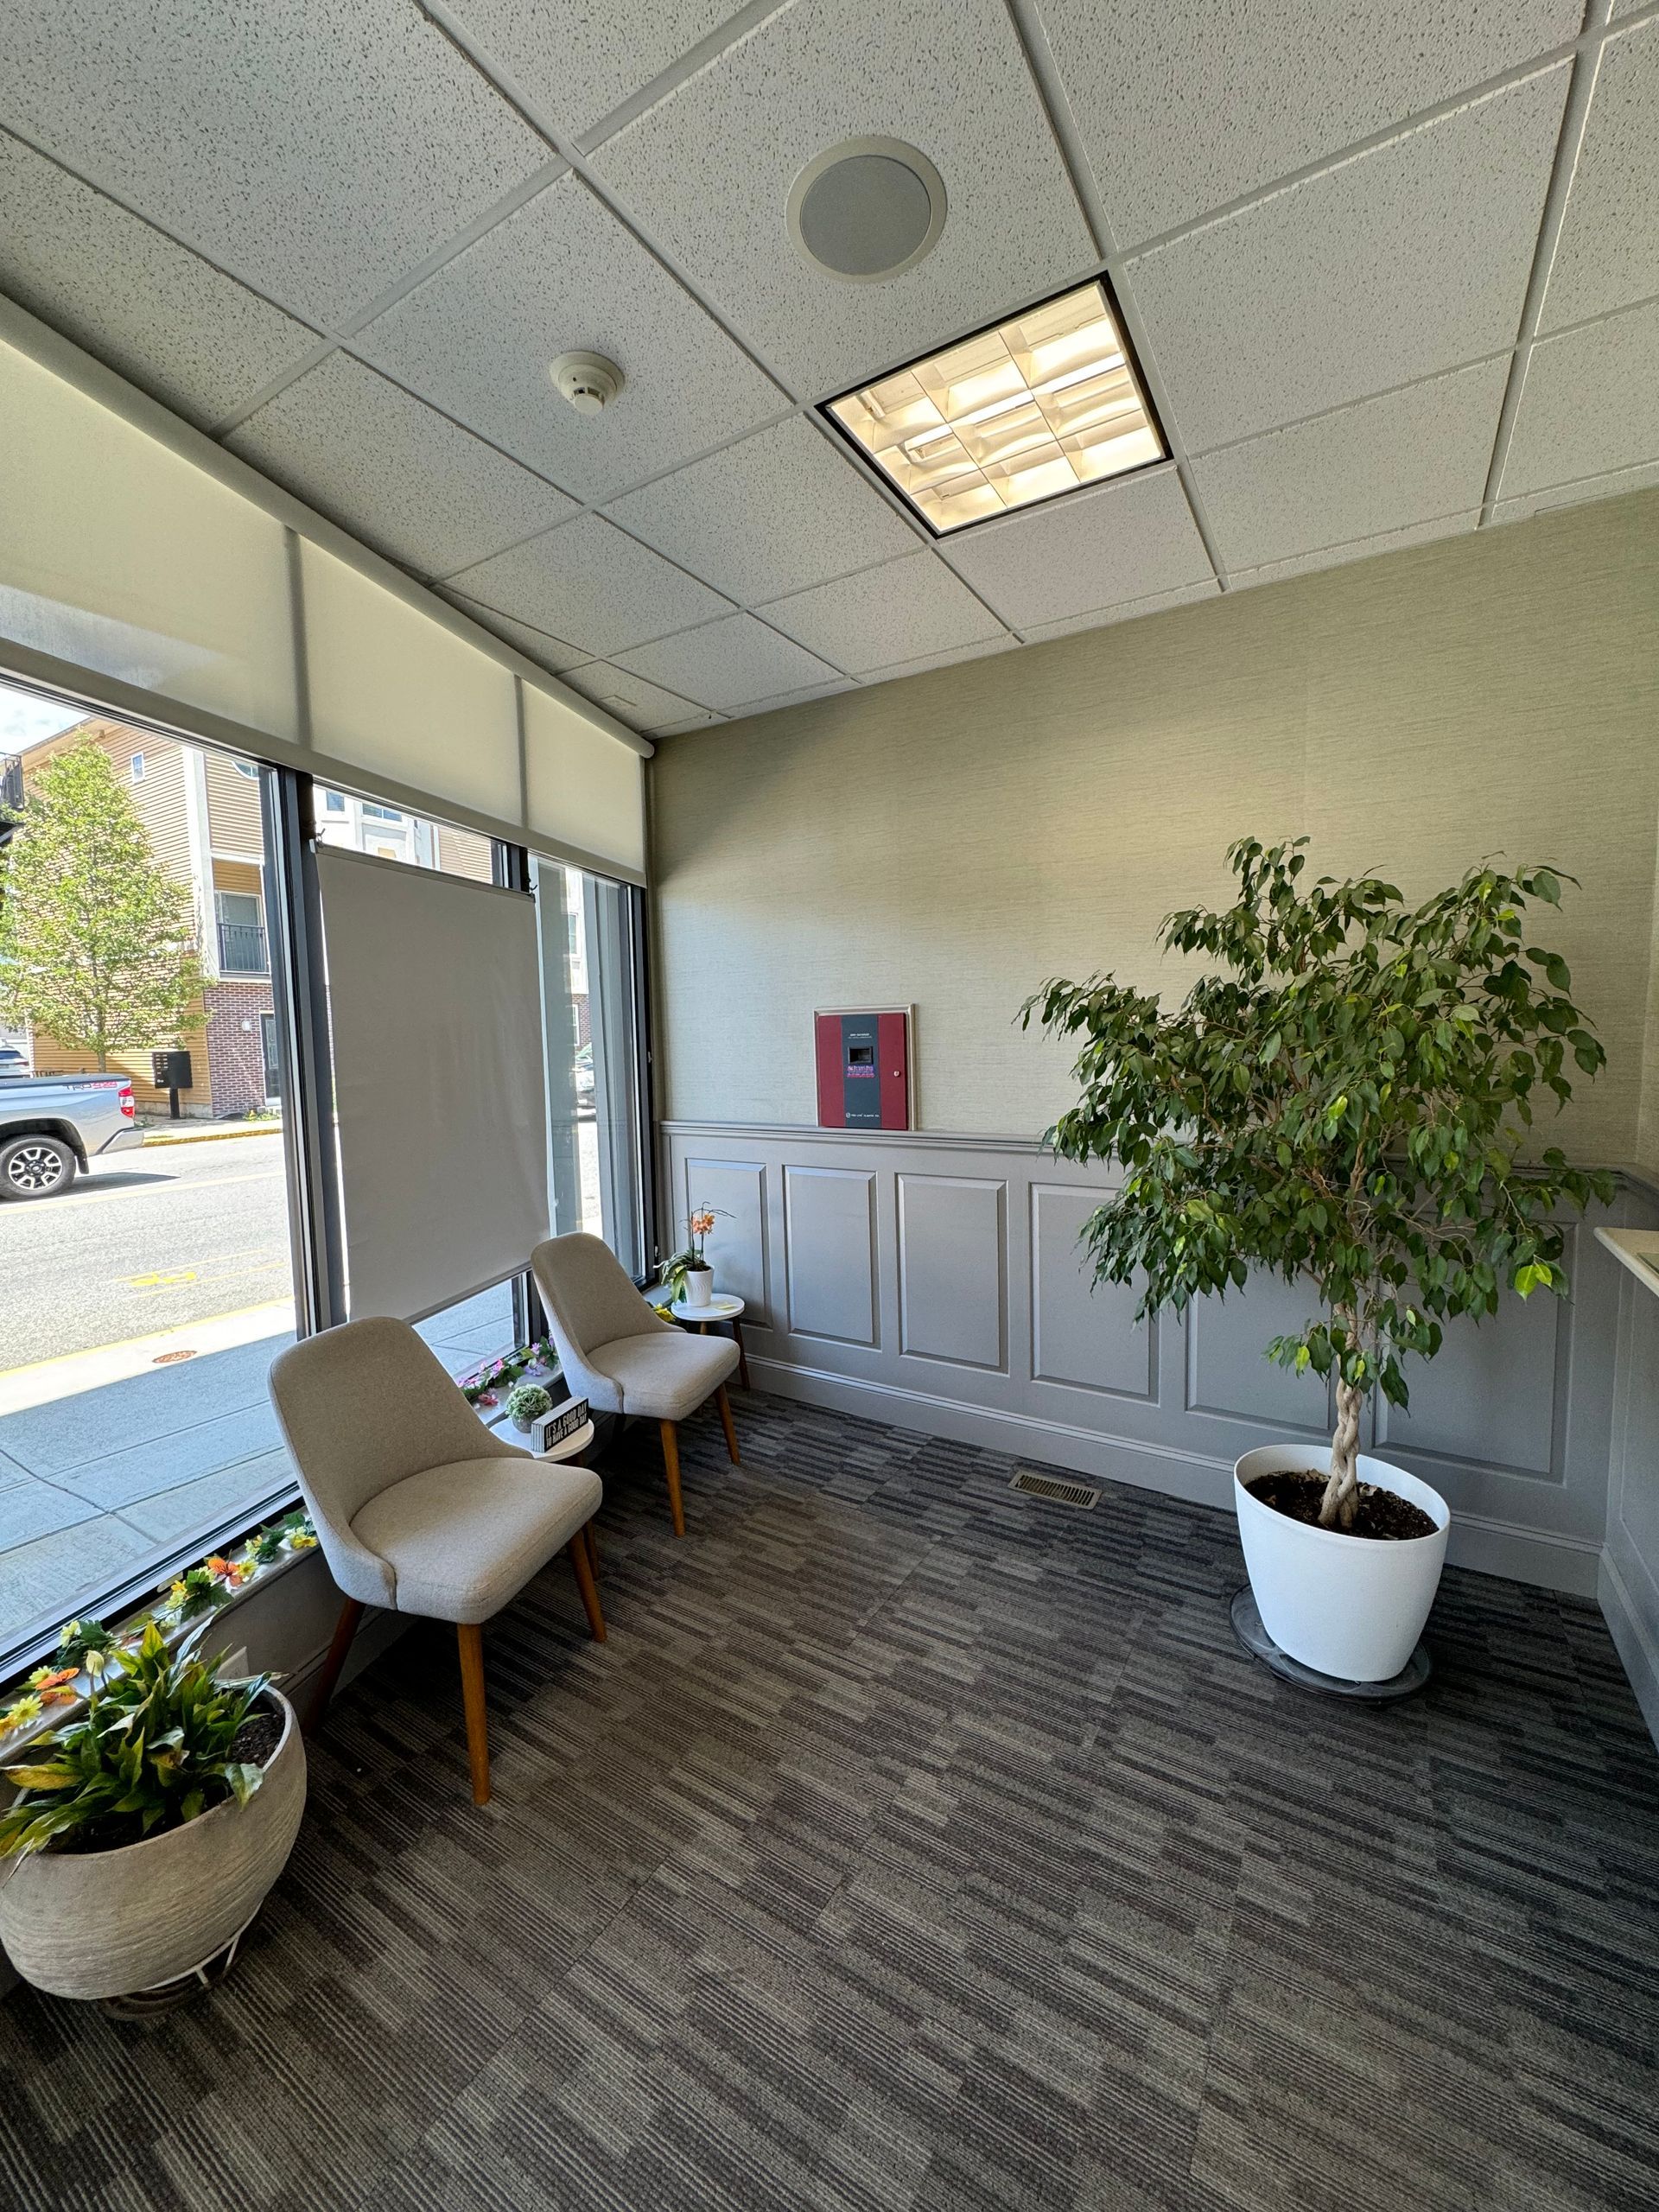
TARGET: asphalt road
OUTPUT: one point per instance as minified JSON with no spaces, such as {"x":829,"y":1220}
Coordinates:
{"x":152,"y":1239}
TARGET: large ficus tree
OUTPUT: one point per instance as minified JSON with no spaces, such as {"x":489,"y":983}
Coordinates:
{"x":97,"y":943}
{"x":1343,"y":1100}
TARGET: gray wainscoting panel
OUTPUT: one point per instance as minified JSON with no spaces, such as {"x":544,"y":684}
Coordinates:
{"x":829,"y":1249}
{"x":1083,"y":1332}
{"x":1488,"y":1396}
{"x":1226,"y":1372}
{"x":936,"y":1282}
{"x":953,"y":1268}
{"x":736,"y":1249}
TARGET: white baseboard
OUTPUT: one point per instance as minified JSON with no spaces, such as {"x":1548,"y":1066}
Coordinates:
{"x":1635,"y":1648}
{"x":1536,"y":1556}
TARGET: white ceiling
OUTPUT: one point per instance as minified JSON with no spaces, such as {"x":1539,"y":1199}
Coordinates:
{"x":1392,"y":272}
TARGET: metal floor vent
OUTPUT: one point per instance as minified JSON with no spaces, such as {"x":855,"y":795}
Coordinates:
{"x":1051,"y":1486}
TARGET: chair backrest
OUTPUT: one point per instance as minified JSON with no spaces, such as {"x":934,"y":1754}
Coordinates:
{"x":589,"y":1297}
{"x":363,"y":1407}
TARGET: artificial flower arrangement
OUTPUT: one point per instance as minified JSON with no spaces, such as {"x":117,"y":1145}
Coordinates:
{"x":87,"y":1648}
{"x":483,"y":1386}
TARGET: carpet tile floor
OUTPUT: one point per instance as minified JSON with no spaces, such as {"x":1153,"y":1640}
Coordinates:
{"x":914,"y":1845}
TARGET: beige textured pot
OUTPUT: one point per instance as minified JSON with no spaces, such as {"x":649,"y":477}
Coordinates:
{"x":105,"y":1923}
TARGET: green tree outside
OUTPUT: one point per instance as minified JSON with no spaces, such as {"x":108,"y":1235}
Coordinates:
{"x":98,"y":945}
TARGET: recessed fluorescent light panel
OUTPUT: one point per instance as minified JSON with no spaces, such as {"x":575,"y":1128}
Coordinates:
{"x":1039,"y":406}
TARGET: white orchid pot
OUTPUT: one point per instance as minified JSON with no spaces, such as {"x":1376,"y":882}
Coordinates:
{"x":1351,"y":1606}
{"x":699,"y":1285}
{"x":108,"y":1923}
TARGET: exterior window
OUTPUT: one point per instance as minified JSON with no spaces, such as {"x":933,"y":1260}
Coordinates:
{"x":248,"y":768}
{"x":136,"y":765}
{"x":241,"y":934}
{"x":334,"y":802}
{"x":381,"y":813}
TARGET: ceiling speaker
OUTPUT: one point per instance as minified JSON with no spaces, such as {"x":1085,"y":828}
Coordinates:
{"x":865,"y":210}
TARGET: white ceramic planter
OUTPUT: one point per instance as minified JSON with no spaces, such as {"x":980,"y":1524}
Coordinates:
{"x":699,"y":1285}
{"x":1346,"y":1605}
{"x":105,"y":1923}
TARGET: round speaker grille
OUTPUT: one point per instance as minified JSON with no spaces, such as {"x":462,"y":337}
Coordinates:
{"x":867,"y":209}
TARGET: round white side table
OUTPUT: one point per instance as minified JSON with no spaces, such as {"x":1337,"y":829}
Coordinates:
{"x":721,"y":1307}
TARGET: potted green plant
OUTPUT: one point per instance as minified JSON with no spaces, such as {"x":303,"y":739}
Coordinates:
{"x":146,"y":1831}
{"x":526,"y":1403}
{"x":1343,"y":1100}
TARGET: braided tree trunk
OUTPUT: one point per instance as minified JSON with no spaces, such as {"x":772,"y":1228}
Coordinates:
{"x":1341,"y":1500}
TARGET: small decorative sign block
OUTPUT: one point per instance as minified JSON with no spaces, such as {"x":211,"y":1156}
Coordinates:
{"x":549,"y":1429}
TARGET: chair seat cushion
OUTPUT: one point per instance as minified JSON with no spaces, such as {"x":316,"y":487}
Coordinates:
{"x":462,"y":1539}
{"x":666,"y":1374}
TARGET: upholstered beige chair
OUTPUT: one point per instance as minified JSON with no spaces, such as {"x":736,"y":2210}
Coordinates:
{"x":619,"y":1354}
{"x":418,"y":1507}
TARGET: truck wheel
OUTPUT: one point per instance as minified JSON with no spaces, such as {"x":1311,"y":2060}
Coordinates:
{"x":35,"y":1168}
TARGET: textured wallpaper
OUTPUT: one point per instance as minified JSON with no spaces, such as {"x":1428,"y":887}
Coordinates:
{"x":953,"y":838}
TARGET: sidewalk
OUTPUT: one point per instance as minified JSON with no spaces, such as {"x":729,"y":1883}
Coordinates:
{"x":167,"y":1131}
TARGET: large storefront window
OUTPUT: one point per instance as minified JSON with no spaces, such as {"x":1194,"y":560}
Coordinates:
{"x":145,"y":1278}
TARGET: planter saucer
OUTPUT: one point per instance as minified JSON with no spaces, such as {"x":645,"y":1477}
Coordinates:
{"x":1246,"y":1627}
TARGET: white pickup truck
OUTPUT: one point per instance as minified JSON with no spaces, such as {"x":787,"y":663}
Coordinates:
{"x":50,"y":1125}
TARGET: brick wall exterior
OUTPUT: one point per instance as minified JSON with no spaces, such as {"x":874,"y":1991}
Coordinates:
{"x":236,"y":1057}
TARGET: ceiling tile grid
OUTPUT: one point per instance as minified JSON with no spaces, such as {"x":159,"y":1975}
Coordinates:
{"x":401,"y":476}
{"x":1372,"y":302}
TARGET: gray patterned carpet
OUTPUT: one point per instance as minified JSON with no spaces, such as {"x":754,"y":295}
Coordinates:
{"x":914,"y":1845}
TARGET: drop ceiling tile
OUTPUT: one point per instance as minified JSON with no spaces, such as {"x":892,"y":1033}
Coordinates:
{"x":796,"y":698}
{"x":1404,"y":261}
{"x":385,"y":141}
{"x":1611,"y":485}
{"x":930,"y":661}
{"x":158,"y":315}
{"x":560,"y":274}
{"x":1184,"y":106}
{"x":394,"y":471}
{"x":603,"y":590}
{"x":901,"y":611}
{"x":577,"y":62}
{"x":708,"y":170}
{"x":1363,"y":549}
{"x":729,"y":662}
{"x":553,"y":654}
{"x":1381,"y":466}
{"x":1608,"y":252}
{"x":691,"y":722}
{"x":643,"y":706}
{"x":779,"y":511}
{"x":1130,"y":610}
{"x":1086,"y":549}
{"x":1589,"y":404}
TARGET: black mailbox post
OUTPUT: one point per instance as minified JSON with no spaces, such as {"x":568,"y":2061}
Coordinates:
{"x":170,"y":1071}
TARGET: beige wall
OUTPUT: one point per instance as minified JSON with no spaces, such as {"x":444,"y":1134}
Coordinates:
{"x":953,"y":838}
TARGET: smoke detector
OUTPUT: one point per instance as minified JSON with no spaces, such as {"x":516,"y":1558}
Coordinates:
{"x":865,"y":210}
{"x":588,"y":381}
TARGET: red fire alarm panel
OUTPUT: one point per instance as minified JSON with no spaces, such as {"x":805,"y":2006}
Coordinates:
{"x":864,"y":1069}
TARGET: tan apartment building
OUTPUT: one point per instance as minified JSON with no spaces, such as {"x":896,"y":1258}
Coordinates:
{"x":201,"y":814}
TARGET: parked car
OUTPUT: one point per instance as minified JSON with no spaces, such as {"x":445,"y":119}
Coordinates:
{"x":50,"y":1125}
{"x":585,"y":1076}
{"x":12,"y":1062}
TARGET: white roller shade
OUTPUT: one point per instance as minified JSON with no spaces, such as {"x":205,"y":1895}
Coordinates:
{"x":586,"y":790}
{"x":119,"y":555}
{"x":435,"y":1005}
{"x":403,"y":698}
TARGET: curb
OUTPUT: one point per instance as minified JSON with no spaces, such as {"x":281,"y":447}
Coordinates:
{"x":212,"y":1135}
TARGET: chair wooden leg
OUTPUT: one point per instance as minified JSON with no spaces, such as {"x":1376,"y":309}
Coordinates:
{"x":345,"y":1627}
{"x":590,"y":1537}
{"x":725,"y":1405}
{"x":471,"y":1639}
{"x":583,"y":1569}
{"x":671,"y":1468}
{"x":742,"y":1356}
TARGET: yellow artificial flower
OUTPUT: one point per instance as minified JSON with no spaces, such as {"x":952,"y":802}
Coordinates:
{"x":25,"y":1709}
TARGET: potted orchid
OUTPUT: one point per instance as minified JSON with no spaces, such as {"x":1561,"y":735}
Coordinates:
{"x":687,"y":1274}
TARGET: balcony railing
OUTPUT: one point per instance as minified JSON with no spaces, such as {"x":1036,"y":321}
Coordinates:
{"x":242,"y":950}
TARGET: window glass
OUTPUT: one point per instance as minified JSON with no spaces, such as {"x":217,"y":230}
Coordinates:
{"x":142,"y":1299}
{"x":366,"y":826}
